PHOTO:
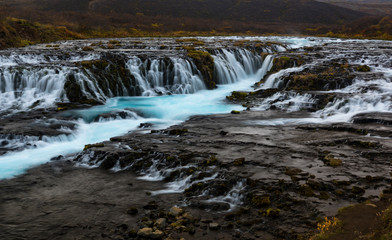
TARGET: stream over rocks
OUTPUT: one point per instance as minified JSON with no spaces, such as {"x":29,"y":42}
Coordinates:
{"x":267,"y":133}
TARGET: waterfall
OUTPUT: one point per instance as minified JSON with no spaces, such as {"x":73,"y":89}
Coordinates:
{"x":275,"y":80}
{"x":232,"y":65}
{"x":163,"y":76}
{"x":31,"y":87}
{"x":39,"y":80}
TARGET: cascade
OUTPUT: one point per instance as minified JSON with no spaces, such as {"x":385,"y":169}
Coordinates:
{"x":39,"y":81}
{"x":231,"y":65}
{"x":162,"y":76}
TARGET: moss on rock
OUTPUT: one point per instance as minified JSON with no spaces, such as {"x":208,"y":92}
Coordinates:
{"x":260,"y":200}
{"x":237,"y":96}
{"x":239,"y":161}
{"x":205,"y":64}
{"x":284,"y":62}
{"x":363,"y":68}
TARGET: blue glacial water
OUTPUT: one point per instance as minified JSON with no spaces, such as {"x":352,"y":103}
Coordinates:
{"x":162,"y":111}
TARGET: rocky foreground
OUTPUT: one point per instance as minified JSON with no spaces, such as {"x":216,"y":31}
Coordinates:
{"x":284,"y":178}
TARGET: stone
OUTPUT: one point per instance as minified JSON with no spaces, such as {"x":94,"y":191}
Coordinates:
{"x":132,"y":211}
{"x":149,"y":233}
{"x":206,"y":220}
{"x":175,"y":211}
{"x":239,"y":161}
{"x":151,"y":206}
{"x":272,"y":212}
{"x":158,"y":234}
{"x":214,"y":206}
{"x":214,"y":226}
{"x":160,"y":223}
{"x":144,"y":232}
{"x":188,"y":216}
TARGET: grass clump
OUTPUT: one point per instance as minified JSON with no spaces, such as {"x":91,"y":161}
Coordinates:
{"x":88,"y":146}
{"x":87,"y":48}
{"x":363,"y":68}
{"x":326,"y":228}
{"x":235,"y":95}
{"x":194,"y":41}
{"x":331,"y":160}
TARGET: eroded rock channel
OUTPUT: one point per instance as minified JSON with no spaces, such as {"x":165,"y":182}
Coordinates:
{"x":315,"y":137}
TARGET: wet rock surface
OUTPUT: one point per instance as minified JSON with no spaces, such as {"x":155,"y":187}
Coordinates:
{"x":284,"y":184}
{"x":23,"y":130}
{"x":92,"y":71}
{"x":263,"y":173}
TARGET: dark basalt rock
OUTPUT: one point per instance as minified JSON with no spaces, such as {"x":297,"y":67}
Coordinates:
{"x":113,"y":115}
{"x":373,"y":118}
{"x":363,"y":68}
{"x":205,"y":64}
{"x":264,"y":93}
{"x":109,"y":162}
{"x":319,"y":78}
{"x":213,"y":206}
{"x":151,"y":206}
{"x":284,"y":62}
{"x":73,"y":90}
{"x":132,"y":211}
{"x":145,"y":125}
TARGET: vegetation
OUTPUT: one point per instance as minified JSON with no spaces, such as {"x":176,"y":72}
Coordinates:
{"x":332,"y":161}
{"x":98,"y":145}
{"x":285,"y":62}
{"x":363,"y":68}
{"x":70,"y":19}
{"x":368,"y":221}
{"x":205,"y":63}
{"x":375,"y":7}
{"x":374,"y":27}
{"x":235,"y":95}
{"x":19,"y":33}
{"x":326,"y":228}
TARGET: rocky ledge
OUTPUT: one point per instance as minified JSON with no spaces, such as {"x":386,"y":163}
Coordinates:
{"x":219,"y":176}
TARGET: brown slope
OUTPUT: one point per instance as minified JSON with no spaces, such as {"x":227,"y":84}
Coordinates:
{"x":375,"y":7}
{"x":297,"y":11}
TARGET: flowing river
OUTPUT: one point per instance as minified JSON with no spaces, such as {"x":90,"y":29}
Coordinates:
{"x":162,"y":91}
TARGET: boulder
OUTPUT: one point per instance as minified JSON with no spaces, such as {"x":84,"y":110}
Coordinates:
{"x":175,"y":211}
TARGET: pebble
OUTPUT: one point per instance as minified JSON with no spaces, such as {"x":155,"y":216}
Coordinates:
{"x":160,"y":223}
{"x":214,"y":226}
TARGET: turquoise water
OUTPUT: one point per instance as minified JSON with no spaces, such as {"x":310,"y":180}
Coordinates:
{"x":163,"y":111}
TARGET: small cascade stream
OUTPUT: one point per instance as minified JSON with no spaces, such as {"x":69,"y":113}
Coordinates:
{"x":366,"y":94}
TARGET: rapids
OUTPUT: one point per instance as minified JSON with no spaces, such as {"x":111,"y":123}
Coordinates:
{"x":165,"y":88}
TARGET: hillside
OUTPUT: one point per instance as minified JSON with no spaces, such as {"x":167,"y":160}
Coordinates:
{"x":19,"y":33}
{"x":190,"y":15}
{"x":244,"y":10}
{"x":136,"y":18}
{"x":376,"y":7}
